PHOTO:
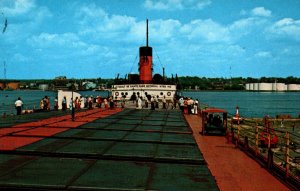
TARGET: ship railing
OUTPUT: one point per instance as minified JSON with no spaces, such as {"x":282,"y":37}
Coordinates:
{"x":277,"y":147}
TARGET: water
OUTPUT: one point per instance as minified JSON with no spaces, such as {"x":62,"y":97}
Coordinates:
{"x":251,"y":104}
{"x":31,"y":98}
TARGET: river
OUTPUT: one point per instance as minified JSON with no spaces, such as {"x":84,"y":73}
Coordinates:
{"x":251,"y":104}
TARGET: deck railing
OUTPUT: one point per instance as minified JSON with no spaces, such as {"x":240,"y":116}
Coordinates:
{"x":273,"y":144}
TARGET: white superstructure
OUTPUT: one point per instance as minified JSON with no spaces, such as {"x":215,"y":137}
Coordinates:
{"x":126,"y":91}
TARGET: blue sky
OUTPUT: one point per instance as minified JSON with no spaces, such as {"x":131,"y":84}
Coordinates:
{"x":205,"y":38}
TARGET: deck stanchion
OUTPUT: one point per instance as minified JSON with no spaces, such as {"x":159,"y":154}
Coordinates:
{"x":228,"y":133}
{"x":238,"y":134}
{"x":270,"y":158}
{"x":287,"y":151}
{"x":246,"y":143}
{"x":269,"y":140}
{"x":256,"y":138}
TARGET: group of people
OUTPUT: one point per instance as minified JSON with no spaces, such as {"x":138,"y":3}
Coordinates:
{"x":188,"y":105}
{"x":45,"y":104}
{"x":154,"y":102}
{"x":88,"y":102}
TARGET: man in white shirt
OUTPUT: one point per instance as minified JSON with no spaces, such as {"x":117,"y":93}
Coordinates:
{"x":18,"y":105}
{"x":181,"y":103}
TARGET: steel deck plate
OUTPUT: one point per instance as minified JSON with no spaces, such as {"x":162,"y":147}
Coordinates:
{"x":130,"y":150}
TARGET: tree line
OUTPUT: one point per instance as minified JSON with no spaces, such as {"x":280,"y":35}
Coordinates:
{"x":183,"y":82}
{"x":236,"y":83}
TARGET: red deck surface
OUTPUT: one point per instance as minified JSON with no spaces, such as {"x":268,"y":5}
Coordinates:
{"x":46,"y":127}
{"x":232,"y":168}
{"x":5,"y":131}
{"x":12,"y":143}
{"x":42,"y":131}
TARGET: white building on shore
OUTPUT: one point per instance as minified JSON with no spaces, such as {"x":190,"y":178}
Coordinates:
{"x":280,"y":87}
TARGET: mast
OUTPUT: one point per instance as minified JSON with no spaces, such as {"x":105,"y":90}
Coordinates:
{"x":147,"y":33}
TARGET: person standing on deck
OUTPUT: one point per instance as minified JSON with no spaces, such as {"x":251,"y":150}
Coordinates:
{"x":156,"y":102}
{"x":18,"y":105}
{"x":90,"y":102}
{"x":55,"y":104}
{"x":152,"y":103}
{"x":82,"y":102}
{"x":64,"y":104}
{"x":45,"y":100}
{"x":196,"y":106}
{"x":190,"y":105}
{"x":146,"y":102}
{"x":181,"y":103}
{"x":99,"y":101}
{"x":71,"y":105}
{"x":42,"y":103}
{"x":164,"y":102}
{"x":105,"y":103}
{"x":139,"y":103}
{"x":79,"y":103}
{"x":48,"y":103}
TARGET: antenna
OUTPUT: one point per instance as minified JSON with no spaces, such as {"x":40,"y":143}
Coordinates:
{"x":147,"y":33}
{"x":4,"y":67}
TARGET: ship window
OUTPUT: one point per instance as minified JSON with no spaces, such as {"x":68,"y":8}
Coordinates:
{"x":138,"y":93}
{"x":161,"y":93}
{"x":122,"y":93}
{"x":126,"y":93}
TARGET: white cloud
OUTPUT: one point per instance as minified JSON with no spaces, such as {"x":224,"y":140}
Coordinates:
{"x":264,"y":54}
{"x":248,"y":27}
{"x":16,"y":7}
{"x":176,"y":4}
{"x":20,"y":58}
{"x":48,"y":40}
{"x":207,"y":30}
{"x":286,"y":27}
{"x":96,"y":23}
{"x":158,"y":5}
{"x":163,"y":30}
{"x":261,"y":11}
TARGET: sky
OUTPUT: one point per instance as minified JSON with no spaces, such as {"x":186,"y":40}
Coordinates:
{"x":44,"y":39}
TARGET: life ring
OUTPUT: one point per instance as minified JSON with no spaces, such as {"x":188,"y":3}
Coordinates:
{"x":117,"y":94}
{"x":169,"y":94}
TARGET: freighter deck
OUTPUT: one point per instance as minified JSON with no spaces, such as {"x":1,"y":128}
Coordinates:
{"x":103,"y":150}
